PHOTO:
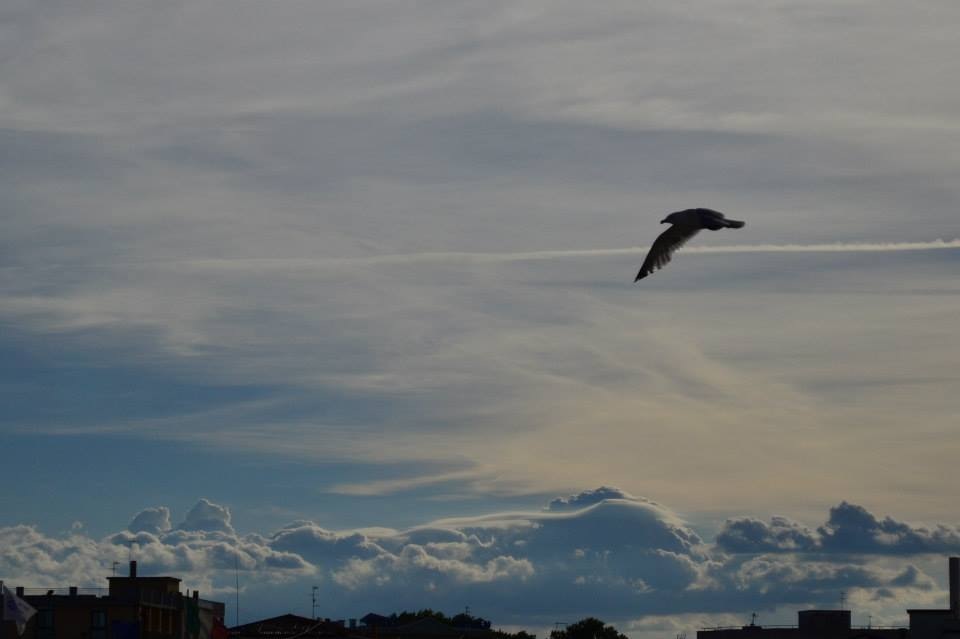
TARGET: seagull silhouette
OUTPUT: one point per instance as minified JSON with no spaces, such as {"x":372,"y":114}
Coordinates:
{"x":686,"y":224}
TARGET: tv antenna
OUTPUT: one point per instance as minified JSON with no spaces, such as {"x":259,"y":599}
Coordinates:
{"x":313,"y":598}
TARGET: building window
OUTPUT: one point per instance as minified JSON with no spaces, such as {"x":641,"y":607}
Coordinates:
{"x":45,"y":618}
{"x":98,"y":624}
{"x":45,"y":628}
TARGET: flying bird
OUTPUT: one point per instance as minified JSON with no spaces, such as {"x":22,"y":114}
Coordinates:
{"x":686,"y":224}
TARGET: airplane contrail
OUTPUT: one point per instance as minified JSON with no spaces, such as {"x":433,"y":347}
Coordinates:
{"x":843,"y":247}
{"x":732,"y":248}
{"x":829,"y":248}
{"x":522,"y":256}
{"x":519,"y":256}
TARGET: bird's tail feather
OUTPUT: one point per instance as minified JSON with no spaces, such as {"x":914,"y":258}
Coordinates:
{"x":735,"y":224}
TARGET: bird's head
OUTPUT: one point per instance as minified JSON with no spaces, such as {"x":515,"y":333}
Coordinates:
{"x":668,"y":219}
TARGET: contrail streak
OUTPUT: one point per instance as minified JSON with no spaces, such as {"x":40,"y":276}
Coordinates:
{"x":407,"y":258}
{"x":521,"y":256}
{"x":733,"y":248}
{"x":829,"y":248}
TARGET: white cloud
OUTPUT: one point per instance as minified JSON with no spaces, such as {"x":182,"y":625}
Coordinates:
{"x":151,"y":520}
{"x":624,"y":559}
{"x":849,"y":529}
{"x":207,"y":516}
{"x":589,"y":498}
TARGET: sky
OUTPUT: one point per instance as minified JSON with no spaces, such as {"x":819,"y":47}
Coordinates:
{"x":343,"y":291}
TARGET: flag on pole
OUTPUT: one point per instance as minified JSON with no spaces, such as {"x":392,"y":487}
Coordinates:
{"x":15,"y":609}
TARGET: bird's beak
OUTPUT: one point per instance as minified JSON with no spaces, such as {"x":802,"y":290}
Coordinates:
{"x":663,"y":221}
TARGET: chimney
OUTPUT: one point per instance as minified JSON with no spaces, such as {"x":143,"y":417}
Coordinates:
{"x":73,"y":591}
{"x":955,"y":586}
{"x":19,"y":591}
{"x":196,"y":595}
{"x":133,"y":568}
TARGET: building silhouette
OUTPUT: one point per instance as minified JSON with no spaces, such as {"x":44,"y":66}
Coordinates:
{"x":940,"y":624}
{"x":133,"y":607}
{"x":811,"y":624}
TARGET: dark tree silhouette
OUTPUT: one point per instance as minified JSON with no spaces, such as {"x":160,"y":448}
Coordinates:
{"x":464,"y":620}
{"x":406,"y":616}
{"x":589,"y":628}
{"x":523,"y":634}
{"x":461,"y":620}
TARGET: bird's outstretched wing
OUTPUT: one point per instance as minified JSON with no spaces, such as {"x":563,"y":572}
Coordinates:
{"x":663,"y":248}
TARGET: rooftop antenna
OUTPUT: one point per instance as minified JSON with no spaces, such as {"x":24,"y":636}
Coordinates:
{"x":313,"y":600}
{"x":753,"y":619}
{"x":115,"y":564}
{"x":843,"y":599}
{"x":869,"y":622}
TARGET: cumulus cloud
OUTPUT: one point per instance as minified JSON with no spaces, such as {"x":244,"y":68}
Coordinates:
{"x":772,"y":580}
{"x":207,"y":516}
{"x":601,"y":552}
{"x":204,"y":543}
{"x":34,"y":558}
{"x":588,"y":498}
{"x":320,"y":546}
{"x":752,"y":535}
{"x":849,"y":529}
{"x":852,"y":528}
{"x":151,"y":520}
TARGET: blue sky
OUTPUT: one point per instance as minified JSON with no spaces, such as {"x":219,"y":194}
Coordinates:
{"x":363,"y":271}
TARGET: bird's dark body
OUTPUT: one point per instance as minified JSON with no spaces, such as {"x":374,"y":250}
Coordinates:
{"x":714,"y":220}
{"x":684,"y":225}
